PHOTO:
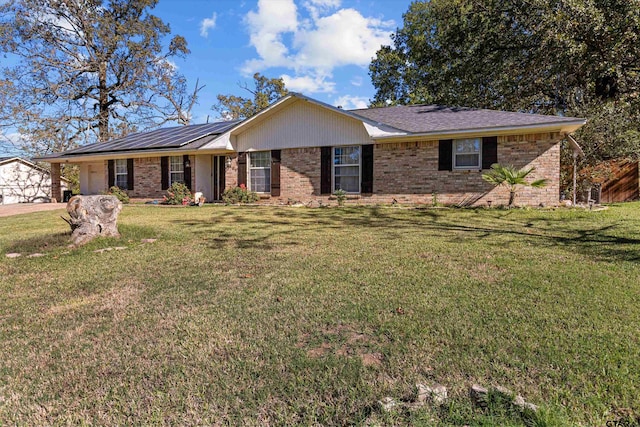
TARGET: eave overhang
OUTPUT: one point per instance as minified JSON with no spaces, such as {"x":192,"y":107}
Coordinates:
{"x":565,"y":127}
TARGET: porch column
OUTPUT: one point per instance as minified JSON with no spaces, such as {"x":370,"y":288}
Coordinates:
{"x":56,"y":190}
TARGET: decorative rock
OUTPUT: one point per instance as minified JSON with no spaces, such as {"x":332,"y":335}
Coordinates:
{"x":479,"y":396}
{"x":436,"y":394}
{"x":36,"y":255}
{"x":99,"y":251}
{"x":439,"y":394}
{"x":523,"y":405}
{"x":13,"y":255}
{"x":503,"y":393}
{"x":422,"y":392}
{"x":387,"y":403}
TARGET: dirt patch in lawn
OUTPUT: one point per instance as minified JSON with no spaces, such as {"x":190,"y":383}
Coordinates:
{"x":343,"y":341}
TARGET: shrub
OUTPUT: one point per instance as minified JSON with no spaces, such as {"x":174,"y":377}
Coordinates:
{"x":240,"y":194}
{"x":341,"y":196}
{"x":178,"y":194}
{"x":119,"y":193}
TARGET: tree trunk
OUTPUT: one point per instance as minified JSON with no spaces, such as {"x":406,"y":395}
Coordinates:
{"x":93,"y":216}
{"x":103,"y":105}
{"x":512,"y":197}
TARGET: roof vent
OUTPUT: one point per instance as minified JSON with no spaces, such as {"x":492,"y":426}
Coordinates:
{"x":340,"y":107}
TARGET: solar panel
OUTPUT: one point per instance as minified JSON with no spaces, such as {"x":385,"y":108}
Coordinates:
{"x":173,"y":137}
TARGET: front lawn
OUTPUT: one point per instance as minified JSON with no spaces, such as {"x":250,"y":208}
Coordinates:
{"x":279,"y":316}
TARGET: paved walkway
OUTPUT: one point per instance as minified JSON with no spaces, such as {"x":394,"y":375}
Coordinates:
{"x":22,"y":208}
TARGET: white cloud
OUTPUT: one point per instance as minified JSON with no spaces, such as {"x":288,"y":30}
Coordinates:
{"x":317,"y":7}
{"x":356,"y":81}
{"x":308,"y":84}
{"x":208,"y":24}
{"x":351,"y":102}
{"x":266,"y":27}
{"x":312,"y":47}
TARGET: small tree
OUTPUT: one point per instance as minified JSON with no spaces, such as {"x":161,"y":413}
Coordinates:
{"x":511,"y":178}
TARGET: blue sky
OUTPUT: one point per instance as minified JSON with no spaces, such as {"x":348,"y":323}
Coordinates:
{"x":321,"y":48}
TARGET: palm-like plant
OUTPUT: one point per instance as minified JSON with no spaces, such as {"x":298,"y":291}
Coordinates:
{"x":511,"y":178}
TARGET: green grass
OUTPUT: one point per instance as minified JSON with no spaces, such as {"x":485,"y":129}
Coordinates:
{"x":280,"y":316}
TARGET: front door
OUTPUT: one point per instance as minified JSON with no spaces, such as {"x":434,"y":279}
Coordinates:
{"x":218,"y":177}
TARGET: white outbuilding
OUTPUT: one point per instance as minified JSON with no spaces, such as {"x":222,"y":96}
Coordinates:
{"x":22,"y":181}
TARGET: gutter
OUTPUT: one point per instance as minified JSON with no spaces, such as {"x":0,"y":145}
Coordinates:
{"x":87,"y":157}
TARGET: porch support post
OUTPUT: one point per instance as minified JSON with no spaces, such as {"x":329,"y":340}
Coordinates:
{"x":56,"y":189}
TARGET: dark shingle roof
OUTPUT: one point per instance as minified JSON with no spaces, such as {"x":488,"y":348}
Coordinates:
{"x":191,"y":136}
{"x":435,"y":118}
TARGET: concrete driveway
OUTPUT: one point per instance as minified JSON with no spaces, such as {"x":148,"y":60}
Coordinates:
{"x":22,"y":208}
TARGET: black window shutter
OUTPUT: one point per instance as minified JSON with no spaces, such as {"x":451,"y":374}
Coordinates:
{"x":275,"y":172}
{"x":367,"y":169}
{"x":187,"y":171}
{"x":242,"y":169}
{"x":164,"y":171}
{"x":112,"y":174}
{"x":445,"y":155}
{"x":325,"y":170}
{"x":489,"y":151}
{"x":129,"y":174}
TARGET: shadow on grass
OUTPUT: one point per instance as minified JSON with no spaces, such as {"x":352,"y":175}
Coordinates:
{"x":58,"y":241}
{"x":258,"y":227}
{"x":40,"y":244}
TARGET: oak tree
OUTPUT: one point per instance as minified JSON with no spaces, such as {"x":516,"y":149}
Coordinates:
{"x":574,"y":58}
{"x":265,"y":92}
{"x":81,"y":71}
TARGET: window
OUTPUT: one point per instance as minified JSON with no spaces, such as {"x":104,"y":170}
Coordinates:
{"x":346,"y":169}
{"x":121,"y":174}
{"x":176,"y":169}
{"x":466,"y":153}
{"x":260,"y":171}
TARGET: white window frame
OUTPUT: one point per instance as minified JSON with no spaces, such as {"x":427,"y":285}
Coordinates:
{"x":176,"y":171}
{"x":334,"y":166}
{"x":250,"y":168}
{"x":116,"y":174}
{"x":455,"y":154}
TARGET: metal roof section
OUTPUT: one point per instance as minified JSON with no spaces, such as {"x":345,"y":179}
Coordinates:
{"x":173,"y":137}
{"x":428,"y":119}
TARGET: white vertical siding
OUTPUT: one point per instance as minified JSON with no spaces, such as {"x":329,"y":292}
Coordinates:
{"x":303,"y":124}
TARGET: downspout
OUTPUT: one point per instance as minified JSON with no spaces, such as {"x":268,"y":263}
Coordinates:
{"x":577,"y":150}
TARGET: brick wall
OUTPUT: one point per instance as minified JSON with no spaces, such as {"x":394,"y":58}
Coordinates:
{"x":56,"y":187}
{"x":408,"y":173}
{"x":147,"y":177}
{"x":300,"y":174}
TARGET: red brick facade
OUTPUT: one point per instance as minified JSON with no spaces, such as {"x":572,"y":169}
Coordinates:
{"x":408,"y":173}
{"x":404,"y":172}
{"x":147,"y":178}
